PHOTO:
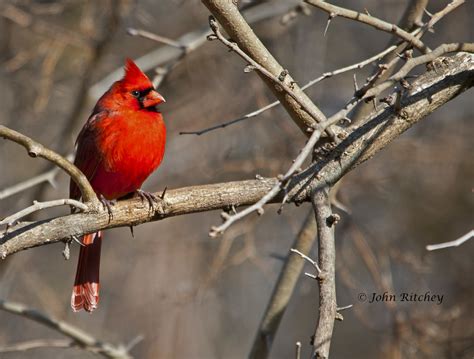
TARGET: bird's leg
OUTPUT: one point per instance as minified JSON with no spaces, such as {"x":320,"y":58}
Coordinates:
{"x":150,"y":197}
{"x":108,"y":204}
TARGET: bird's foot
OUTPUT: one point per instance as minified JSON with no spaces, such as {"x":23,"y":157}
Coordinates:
{"x":149,"y":197}
{"x":108,"y":204}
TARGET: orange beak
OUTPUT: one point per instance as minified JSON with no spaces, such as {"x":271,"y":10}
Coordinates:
{"x":153,"y":98}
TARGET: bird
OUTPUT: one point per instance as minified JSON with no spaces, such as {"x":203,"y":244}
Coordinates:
{"x":119,"y":146}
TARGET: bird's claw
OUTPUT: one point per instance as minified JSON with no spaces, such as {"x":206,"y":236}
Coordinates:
{"x":149,"y":197}
{"x":108,"y":204}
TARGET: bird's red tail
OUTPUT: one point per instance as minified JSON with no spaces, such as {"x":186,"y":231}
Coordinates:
{"x":85,"y":294}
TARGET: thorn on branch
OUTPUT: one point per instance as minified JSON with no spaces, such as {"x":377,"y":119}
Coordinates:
{"x":330,"y":17}
{"x":249,"y":68}
{"x":283,"y":75}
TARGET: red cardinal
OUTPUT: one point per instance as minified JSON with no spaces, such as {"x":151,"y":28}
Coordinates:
{"x":121,"y":144}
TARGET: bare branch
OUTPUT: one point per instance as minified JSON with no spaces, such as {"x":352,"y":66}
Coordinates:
{"x":372,"y":21}
{"x":455,"y":243}
{"x":80,"y":337}
{"x":157,"y":38}
{"x":134,"y":212}
{"x":327,"y":277}
{"x":37,"y":206}
{"x":36,"y":149}
{"x":308,"y":259}
{"x":35,"y":344}
{"x":283,"y":290}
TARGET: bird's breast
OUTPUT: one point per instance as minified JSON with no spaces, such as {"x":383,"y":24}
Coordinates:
{"x":132,"y":147}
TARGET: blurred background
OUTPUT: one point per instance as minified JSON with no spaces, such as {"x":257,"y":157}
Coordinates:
{"x":191,"y":296}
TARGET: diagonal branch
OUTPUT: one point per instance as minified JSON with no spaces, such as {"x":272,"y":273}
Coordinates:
{"x":80,"y":337}
{"x":36,"y":149}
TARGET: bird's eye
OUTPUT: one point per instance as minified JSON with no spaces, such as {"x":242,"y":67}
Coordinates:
{"x":136,"y":93}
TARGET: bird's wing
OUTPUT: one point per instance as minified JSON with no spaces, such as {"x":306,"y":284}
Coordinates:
{"x":88,"y":156}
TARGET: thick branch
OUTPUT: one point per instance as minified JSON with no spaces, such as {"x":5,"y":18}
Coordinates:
{"x":283,"y":290}
{"x":133,"y":212}
{"x":327,"y":277}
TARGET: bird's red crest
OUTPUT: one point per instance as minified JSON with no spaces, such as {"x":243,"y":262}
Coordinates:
{"x":134,"y":77}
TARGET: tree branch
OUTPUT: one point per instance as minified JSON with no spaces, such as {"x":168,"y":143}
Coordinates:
{"x":80,"y":337}
{"x":327,"y":277}
{"x":334,"y":10}
{"x":133,"y":212}
{"x":455,"y":243}
{"x":36,"y":149}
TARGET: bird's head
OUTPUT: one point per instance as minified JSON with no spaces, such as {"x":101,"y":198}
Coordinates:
{"x":136,"y":90}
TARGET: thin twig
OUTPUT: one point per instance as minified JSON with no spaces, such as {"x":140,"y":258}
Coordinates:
{"x":79,"y":336}
{"x":158,"y":38}
{"x":36,"y":149}
{"x":308,"y":259}
{"x":37,"y":206}
{"x":372,"y":21}
{"x":455,"y":243}
{"x":298,"y":350}
{"x":35,"y":344}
